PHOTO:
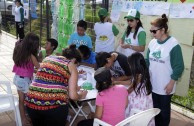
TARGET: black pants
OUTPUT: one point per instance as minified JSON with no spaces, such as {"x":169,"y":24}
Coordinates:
{"x":52,"y":117}
{"x":163,"y":103}
{"x":20,"y":29}
{"x":87,"y":122}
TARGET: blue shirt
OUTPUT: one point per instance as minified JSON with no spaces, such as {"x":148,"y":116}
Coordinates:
{"x":91,"y":59}
{"x":80,"y":40}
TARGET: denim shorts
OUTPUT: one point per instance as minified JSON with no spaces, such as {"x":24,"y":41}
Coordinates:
{"x":22,"y":83}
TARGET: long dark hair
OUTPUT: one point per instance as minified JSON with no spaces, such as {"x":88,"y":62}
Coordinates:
{"x":139,"y":24}
{"x":23,"y":51}
{"x":139,"y":70}
{"x":71,"y":52}
{"x":102,"y":18}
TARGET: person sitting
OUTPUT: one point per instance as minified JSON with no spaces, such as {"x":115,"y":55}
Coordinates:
{"x":117,"y":62}
{"x":80,"y":37}
{"x":88,"y":57}
{"x":50,"y":47}
{"x":110,"y":97}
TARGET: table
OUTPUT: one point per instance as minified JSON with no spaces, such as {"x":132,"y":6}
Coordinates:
{"x":91,"y":95}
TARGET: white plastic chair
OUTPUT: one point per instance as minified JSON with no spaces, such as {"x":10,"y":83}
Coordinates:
{"x":9,"y":102}
{"x":98,"y":122}
{"x":141,"y":118}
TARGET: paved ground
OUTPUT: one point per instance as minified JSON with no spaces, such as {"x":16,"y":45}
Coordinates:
{"x":7,"y":43}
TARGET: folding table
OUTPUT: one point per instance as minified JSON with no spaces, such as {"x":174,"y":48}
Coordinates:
{"x":91,"y":95}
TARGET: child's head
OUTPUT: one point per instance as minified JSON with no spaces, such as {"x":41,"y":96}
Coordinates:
{"x":102,"y":13}
{"x":81,"y":27}
{"x":85,"y":51}
{"x":104,"y":59}
{"x":51,"y":44}
{"x":72,"y":53}
{"x":28,"y":46}
{"x":103,"y":78}
{"x":139,"y":72}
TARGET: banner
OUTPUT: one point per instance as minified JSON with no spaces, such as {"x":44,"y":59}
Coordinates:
{"x":33,"y":9}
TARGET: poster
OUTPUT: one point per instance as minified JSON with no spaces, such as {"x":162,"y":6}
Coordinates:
{"x":116,"y":10}
{"x":33,"y":9}
{"x":26,"y":11}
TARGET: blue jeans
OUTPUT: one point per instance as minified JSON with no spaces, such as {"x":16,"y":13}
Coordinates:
{"x":163,"y":103}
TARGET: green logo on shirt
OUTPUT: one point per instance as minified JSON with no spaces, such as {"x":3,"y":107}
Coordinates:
{"x":128,"y":41}
{"x":157,"y":54}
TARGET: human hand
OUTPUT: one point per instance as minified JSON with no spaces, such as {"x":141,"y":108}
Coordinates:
{"x":125,"y":46}
{"x":83,"y":94}
{"x":169,"y":87}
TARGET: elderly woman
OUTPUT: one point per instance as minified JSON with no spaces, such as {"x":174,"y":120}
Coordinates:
{"x":55,"y":83}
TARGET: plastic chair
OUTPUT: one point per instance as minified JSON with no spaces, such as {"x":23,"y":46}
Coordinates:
{"x":141,"y":118}
{"x":98,"y":122}
{"x":9,"y":102}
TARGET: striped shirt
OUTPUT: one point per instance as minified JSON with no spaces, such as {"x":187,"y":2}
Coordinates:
{"x":50,"y":87}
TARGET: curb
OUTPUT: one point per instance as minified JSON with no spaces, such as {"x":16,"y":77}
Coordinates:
{"x":182,"y":111}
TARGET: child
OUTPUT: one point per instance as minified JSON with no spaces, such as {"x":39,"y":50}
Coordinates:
{"x":140,"y":96}
{"x":111,"y":100}
{"x":50,"y":47}
{"x":80,"y":38}
{"x":25,"y":58}
{"x":134,"y":38}
{"x":88,"y":57}
{"x":105,"y":32}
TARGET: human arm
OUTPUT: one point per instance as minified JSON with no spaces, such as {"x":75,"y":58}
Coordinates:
{"x":115,"y":30}
{"x":141,"y":41}
{"x":72,"y":88}
{"x":87,"y":64}
{"x":35,"y":61}
{"x":22,"y":14}
{"x":98,"y":112}
{"x":40,"y":57}
{"x":147,"y":58}
{"x":177,"y":64}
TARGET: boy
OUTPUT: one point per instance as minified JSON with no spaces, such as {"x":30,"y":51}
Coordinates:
{"x":50,"y":46}
{"x":88,"y":57}
{"x":80,"y":38}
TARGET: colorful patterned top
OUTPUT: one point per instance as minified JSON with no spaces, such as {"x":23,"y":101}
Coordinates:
{"x":50,"y":87}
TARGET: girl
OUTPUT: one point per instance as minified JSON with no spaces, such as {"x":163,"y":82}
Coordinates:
{"x":164,"y":53}
{"x":25,"y":58}
{"x":54,"y":84}
{"x":140,"y":88}
{"x":105,"y":32}
{"x":134,"y":39}
{"x":111,"y":100}
{"x":19,"y":19}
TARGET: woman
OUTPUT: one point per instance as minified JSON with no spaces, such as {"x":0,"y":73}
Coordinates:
{"x":19,"y":19}
{"x":134,"y":38}
{"x":164,"y":53}
{"x":105,"y":32}
{"x":55,"y":83}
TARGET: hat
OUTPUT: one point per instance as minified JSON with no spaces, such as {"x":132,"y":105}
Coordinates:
{"x":102,"y":74}
{"x":103,"y":12}
{"x":132,"y":14}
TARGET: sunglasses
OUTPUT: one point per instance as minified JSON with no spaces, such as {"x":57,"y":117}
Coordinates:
{"x":130,"y":20}
{"x":154,"y":31}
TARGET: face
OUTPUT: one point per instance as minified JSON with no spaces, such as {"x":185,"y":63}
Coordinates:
{"x":48,"y":46}
{"x":17,"y":3}
{"x":80,"y":31}
{"x":156,"y":32}
{"x":132,"y":23}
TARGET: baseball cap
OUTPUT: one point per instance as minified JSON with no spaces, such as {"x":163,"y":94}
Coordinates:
{"x":103,"y":12}
{"x":132,"y":14}
{"x":102,"y":74}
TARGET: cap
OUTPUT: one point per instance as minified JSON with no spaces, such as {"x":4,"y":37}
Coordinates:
{"x":103,"y":12}
{"x":102,"y":74}
{"x":132,"y":14}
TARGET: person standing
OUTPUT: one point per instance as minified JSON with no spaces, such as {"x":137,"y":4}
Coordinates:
{"x":105,"y":32}
{"x":134,"y":38}
{"x":19,"y":19}
{"x":164,"y":53}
